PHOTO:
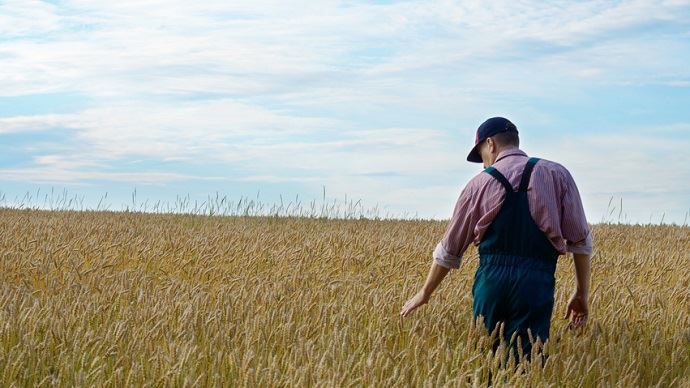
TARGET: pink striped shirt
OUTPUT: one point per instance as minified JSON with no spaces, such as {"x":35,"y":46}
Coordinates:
{"x":554,"y":203}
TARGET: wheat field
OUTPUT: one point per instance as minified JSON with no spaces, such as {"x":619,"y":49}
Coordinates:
{"x":129,"y":299}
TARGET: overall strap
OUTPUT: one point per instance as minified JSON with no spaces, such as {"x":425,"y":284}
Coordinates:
{"x":499,"y":177}
{"x":527,"y":173}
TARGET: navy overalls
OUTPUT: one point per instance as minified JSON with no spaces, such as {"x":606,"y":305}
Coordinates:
{"x":514,"y":283}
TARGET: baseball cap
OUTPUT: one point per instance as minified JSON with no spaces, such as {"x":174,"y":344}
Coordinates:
{"x":489,"y":128}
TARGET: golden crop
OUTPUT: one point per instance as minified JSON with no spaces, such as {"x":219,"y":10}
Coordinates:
{"x":122,"y":299}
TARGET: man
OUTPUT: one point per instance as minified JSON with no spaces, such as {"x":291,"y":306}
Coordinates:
{"x":523,"y":213}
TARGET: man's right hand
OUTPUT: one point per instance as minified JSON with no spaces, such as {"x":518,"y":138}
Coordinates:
{"x":417,"y":300}
{"x":578,"y":310}
{"x":436,"y":275}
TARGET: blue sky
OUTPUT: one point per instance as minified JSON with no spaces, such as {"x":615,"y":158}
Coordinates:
{"x":373,"y":100}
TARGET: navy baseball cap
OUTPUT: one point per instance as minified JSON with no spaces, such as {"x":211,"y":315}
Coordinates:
{"x":489,"y":128}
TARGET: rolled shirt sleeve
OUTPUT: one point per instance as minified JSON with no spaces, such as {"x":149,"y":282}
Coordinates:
{"x":445,"y":259}
{"x":585,"y":247}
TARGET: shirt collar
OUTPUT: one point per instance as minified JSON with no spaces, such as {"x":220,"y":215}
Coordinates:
{"x":509,"y":152}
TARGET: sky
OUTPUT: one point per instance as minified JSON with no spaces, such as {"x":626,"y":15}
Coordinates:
{"x":376,"y":101}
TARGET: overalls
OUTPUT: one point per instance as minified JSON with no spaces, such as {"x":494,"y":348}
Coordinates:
{"x":514,"y":283}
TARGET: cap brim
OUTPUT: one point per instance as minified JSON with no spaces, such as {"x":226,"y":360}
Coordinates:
{"x":474,"y":156}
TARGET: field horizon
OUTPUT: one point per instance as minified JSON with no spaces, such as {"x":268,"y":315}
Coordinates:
{"x":218,"y":204}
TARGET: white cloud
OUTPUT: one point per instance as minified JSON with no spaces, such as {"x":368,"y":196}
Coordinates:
{"x":281,"y":179}
{"x":14,"y":124}
{"x":52,"y":163}
{"x":120,"y":49}
{"x":167,"y":131}
{"x":225,"y":132}
{"x":65,"y":176}
{"x":27,"y":17}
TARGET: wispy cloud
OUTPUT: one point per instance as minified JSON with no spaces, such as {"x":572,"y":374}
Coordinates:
{"x":67,"y":176}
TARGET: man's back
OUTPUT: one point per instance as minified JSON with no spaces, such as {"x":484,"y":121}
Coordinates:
{"x":554,"y":203}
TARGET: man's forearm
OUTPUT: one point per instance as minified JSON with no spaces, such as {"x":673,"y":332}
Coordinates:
{"x":434,"y":278}
{"x":582,"y":272}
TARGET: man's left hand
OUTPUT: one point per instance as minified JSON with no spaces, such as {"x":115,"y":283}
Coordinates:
{"x":419,"y":299}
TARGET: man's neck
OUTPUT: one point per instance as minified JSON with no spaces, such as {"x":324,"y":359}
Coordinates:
{"x":506,"y":148}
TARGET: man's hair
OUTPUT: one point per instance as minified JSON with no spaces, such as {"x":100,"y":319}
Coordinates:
{"x":504,"y":139}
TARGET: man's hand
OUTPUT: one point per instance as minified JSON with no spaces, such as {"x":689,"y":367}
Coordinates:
{"x":436,"y":275}
{"x":419,"y":299}
{"x":577,"y":310}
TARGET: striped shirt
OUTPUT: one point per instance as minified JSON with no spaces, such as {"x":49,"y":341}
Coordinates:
{"x":554,"y":203}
